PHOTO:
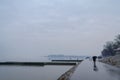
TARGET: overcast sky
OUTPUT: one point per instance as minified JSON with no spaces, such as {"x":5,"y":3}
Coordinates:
{"x":33,"y":28}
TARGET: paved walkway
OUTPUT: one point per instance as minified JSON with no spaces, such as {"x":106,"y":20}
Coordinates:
{"x":68,"y":74}
{"x":88,"y":71}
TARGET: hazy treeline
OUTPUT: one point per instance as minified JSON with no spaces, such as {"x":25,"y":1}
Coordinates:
{"x":112,"y":48}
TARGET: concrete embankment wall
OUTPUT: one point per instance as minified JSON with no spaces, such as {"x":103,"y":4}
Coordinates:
{"x":68,"y":74}
{"x":67,"y":60}
{"x":37,"y":63}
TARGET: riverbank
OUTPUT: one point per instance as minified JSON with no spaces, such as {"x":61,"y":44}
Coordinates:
{"x":37,"y":63}
{"x":112,"y":60}
{"x":68,"y":74}
{"x":66,"y":60}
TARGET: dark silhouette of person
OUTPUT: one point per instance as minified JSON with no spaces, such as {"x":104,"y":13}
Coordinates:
{"x":94,"y":59}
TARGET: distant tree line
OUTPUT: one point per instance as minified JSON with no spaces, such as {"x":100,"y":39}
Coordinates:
{"x":112,"y":48}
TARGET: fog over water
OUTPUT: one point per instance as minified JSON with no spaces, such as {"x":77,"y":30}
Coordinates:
{"x":33,"y":28}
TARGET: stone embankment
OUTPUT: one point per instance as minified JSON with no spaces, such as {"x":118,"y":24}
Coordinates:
{"x":112,"y":60}
{"x":68,"y":74}
{"x":37,"y":63}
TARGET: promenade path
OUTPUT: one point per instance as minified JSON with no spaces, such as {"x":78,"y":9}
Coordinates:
{"x":88,"y":71}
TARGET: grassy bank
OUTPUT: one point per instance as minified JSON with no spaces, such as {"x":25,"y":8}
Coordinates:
{"x":112,"y":60}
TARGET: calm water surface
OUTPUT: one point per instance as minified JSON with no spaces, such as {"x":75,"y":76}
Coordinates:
{"x":32,"y":72}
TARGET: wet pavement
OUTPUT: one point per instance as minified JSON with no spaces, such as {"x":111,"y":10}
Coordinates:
{"x":99,"y":71}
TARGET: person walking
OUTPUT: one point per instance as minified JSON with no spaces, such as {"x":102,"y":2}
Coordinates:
{"x":94,"y":63}
{"x":94,"y":59}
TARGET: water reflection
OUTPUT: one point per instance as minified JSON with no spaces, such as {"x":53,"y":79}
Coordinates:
{"x":32,"y":72}
{"x":95,"y":68}
{"x":113,"y":71}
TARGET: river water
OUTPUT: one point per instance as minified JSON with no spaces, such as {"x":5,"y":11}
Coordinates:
{"x":32,"y":72}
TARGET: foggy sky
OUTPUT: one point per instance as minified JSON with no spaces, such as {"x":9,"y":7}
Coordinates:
{"x":33,"y":28}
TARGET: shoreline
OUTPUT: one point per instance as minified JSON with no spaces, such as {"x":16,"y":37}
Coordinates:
{"x":37,"y":63}
{"x":112,"y":60}
{"x":68,"y":74}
